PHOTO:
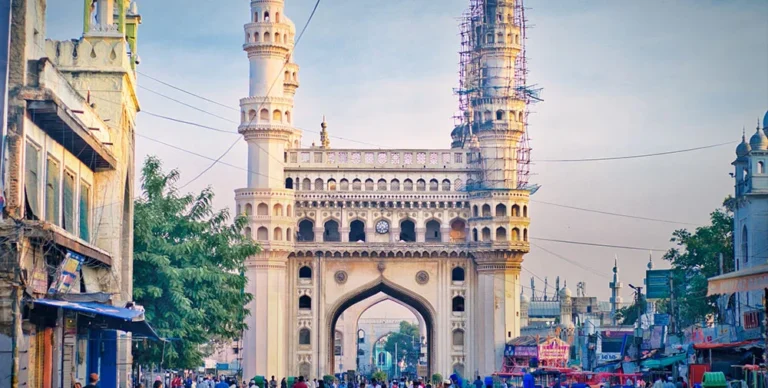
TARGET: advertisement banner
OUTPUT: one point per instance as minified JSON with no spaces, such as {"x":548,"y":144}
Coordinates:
{"x":67,"y":273}
{"x":554,"y":350}
{"x":521,"y":351}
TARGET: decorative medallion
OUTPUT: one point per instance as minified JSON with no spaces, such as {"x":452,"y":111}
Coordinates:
{"x":422,"y":277}
{"x":381,"y":266}
{"x":340,"y":277}
{"x":382,"y":227}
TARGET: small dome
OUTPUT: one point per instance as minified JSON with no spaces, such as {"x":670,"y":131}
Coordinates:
{"x":758,"y":141}
{"x":565,"y":292}
{"x":743,"y":148}
{"x":524,"y":298}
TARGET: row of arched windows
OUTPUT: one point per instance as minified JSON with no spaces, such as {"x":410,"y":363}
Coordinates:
{"x":369,"y":185}
{"x":357,"y":231}
{"x":458,"y":274}
{"x":484,"y":234}
{"x":500,"y":116}
{"x":262,"y":209}
{"x":276,"y":37}
{"x":501,"y":211}
{"x":277,"y":116}
{"x":499,"y":38}
{"x":257,"y":16}
{"x":262,"y":234}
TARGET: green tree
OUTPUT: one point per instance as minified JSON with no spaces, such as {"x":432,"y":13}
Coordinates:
{"x":408,"y":343}
{"x":696,"y":258}
{"x":628,"y":315}
{"x":188,"y":270}
{"x":379,"y":375}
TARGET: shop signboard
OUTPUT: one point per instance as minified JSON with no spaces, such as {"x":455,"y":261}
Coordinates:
{"x":67,"y":273}
{"x":521,"y":351}
{"x":608,"y":357}
{"x":222,"y":366}
{"x":661,"y":319}
{"x":554,"y":350}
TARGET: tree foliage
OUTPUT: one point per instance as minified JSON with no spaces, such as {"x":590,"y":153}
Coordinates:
{"x":188,"y":270}
{"x":408,"y":342}
{"x":696,"y":258}
{"x":628,"y":315}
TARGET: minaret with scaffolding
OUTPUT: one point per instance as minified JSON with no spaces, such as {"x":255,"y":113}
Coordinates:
{"x":615,"y":286}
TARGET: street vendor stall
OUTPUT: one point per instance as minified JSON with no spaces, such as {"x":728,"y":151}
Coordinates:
{"x":524,"y":351}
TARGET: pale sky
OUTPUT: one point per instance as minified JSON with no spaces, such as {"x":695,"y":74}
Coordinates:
{"x":619,"y":78}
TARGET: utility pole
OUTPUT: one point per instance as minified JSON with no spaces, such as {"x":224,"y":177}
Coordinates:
{"x":672,"y":310}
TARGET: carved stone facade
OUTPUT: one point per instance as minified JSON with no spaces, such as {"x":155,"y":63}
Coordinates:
{"x":442,"y":231}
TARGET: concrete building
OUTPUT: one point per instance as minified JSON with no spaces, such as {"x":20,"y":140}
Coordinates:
{"x":67,"y":231}
{"x":441,"y":230}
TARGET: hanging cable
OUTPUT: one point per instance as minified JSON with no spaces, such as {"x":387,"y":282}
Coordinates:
{"x":633,"y":156}
{"x":612,"y":214}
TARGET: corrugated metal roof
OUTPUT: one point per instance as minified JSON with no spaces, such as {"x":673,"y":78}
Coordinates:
{"x":541,"y":309}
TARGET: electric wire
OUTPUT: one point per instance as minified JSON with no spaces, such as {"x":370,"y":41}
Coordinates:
{"x":186,"y":92}
{"x":187,"y":105}
{"x":612,"y":214}
{"x":633,"y":156}
{"x":598,"y":244}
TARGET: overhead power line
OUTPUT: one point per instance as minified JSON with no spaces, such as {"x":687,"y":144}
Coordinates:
{"x":187,"y":105}
{"x":613,"y":214}
{"x":188,"y":92}
{"x":633,"y":156}
{"x":573,"y":262}
{"x":599,"y":245}
{"x":188,"y":122}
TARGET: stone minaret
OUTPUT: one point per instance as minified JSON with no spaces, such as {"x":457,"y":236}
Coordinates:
{"x":499,"y":232}
{"x":615,"y":286}
{"x":267,"y":127}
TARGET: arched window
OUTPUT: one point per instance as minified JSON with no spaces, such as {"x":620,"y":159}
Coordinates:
{"x":288,"y":117}
{"x":356,"y":231}
{"x":248,"y":232}
{"x":319,"y":184}
{"x":277,"y":210}
{"x":486,"y":210}
{"x":277,"y":37}
{"x":486,"y":234}
{"x":369,"y":185}
{"x":343,"y":185}
{"x":277,"y":235}
{"x":489,"y":38}
{"x":515,"y":210}
{"x":361,"y":336}
{"x":306,"y":184}
{"x":288,"y":211}
{"x":458,"y":231}
{"x":255,"y":37}
{"x":394,"y":185}
{"x":501,"y":210}
{"x":474,"y":235}
{"x":475,"y":212}
{"x":332,"y":184}
{"x":288,"y":183}
{"x":331,"y":233}
{"x":305,"y":339}
{"x":277,"y":17}
{"x":433,"y":232}
{"x":458,"y":184}
{"x":252,"y":115}
{"x":407,"y":231}
{"x":499,"y":115}
{"x":501,"y":234}
{"x":255,"y":17}
{"x":499,"y":38}
{"x":745,"y":244}
{"x":287,"y":76}
{"x":525,"y":211}
{"x":277,"y":116}
{"x":458,"y":274}
{"x":760,"y":168}
{"x":305,"y":272}
{"x":266,"y":16}
{"x":239,"y":210}
{"x":263,"y":115}
{"x":407,"y":185}
{"x":306,"y":231}
{"x":458,"y":337}
{"x":515,"y":234}
{"x":267,"y":37}
{"x":338,"y":340}
{"x":288,"y":235}
{"x":457,"y":305}
{"x":487,"y":116}
{"x":357,"y":185}
{"x":520,"y":116}
{"x":525,"y":234}
{"x":382,"y":185}
{"x":382,"y":358}
{"x":262,"y":210}
{"x":446,"y":185}
{"x":305,"y":302}
{"x":248,"y":209}
{"x":421,"y":185}
{"x":433,"y":185}
{"x":262,"y":234}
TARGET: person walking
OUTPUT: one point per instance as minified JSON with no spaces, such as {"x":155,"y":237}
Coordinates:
{"x":478,"y":383}
{"x":273,"y":382}
{"x":284,"y":383}
{"x":301,"y":383}
{"x":93,"y":379}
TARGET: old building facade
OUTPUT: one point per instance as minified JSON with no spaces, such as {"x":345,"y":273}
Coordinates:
{"x":67,"y":230}
{"x":443,"y":231}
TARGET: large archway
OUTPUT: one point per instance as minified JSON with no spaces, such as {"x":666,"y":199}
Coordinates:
{"x":418,"y":303}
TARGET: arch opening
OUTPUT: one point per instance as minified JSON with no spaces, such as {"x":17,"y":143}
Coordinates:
{"x":356,"y":231}
{"x":407,"y":231}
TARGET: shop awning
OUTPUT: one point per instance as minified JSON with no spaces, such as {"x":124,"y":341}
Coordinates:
{"x":116,"y":318}
{"x":712,"y":345}
{"x":748,"y":279}
{"x":663,"y":362}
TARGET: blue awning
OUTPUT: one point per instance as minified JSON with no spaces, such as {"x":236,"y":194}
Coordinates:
{"x":117,"y":318}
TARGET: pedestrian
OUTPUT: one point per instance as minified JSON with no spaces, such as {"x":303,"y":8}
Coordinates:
{"x":478,"y":383}
{"x":301,"y":383}
{"x":93,"y":379}
{"x":176,"y":382}
{"x":273,"y":382}
{"x":670,"y":383}
{"x":284,"y":383}
{"x":658,"y":383}
{"x":77,"y":385}
{"x":220,"y":383}
{"x":157,"y":384}
{"x":528,"y":380}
